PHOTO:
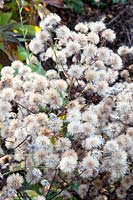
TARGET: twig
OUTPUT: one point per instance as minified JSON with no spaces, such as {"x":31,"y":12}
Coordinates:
{"x":51,"y":183}
{"x":128,"y":37}
{"x":67,"y":186}
{"x":115,"y":18}
{"x":2,"y":138}
{"x":57,"y":59}
{"x":16,"y":146}
{"x":26,"y":196}
{"x":70,"y":87}
{"x":25,"y":108}
{"x":21,"y":142}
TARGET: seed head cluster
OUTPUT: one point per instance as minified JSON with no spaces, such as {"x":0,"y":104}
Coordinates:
{"x":72,"y":123}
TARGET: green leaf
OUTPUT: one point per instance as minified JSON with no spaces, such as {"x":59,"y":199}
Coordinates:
{"x":23,"y":54}
{"x":9,"y":36}
{"x":31,"y":193}
{"x":2,"y":46}
{"x":28,"y":29}
{"x":59,"y":198}
{"x":75,"y":186}
{"x":43,"y":109}
{"x":36,"y":188}
{"x":123,"y":1}
{"x":16,"y":72}
{"x":1,"y":66}
{"x":4,"y":18}
{"x":114,"y":1}
{"x":38,"y":69}
{"x":7,"y":27}
{"x":76,"y":5}
{"x":52,"y":139}
{"x":74,"y":198}
{"x":32,"y":189}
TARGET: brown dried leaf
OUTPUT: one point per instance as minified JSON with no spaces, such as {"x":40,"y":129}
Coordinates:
{"x":56,"y":3}
{"x":4,"y":59}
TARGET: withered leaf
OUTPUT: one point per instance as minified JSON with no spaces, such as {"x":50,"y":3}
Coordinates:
{"x":56,"y":3}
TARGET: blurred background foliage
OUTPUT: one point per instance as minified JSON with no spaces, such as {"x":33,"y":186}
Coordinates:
{"x":19,"y":21}
{"x":77,"y":5}
{"x":18,"y":24}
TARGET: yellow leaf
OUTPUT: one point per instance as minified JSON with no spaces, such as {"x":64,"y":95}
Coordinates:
{"x":37,"y":28}
{"x":31,"y":193}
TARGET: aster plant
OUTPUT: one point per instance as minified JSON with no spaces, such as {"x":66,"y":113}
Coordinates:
{"x":66,"y":127}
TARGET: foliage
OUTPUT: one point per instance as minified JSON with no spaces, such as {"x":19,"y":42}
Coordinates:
{"x":117,"y":1}
{"x":17,"y":26}
{"x":77,"y":5}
